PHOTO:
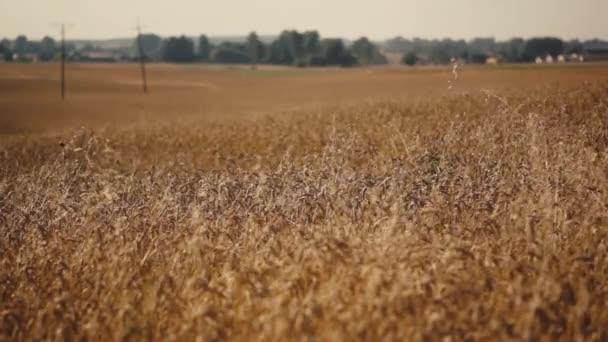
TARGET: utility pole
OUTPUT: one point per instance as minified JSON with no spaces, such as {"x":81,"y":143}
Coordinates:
{"x":142,"y":62}
{"x":63,"y":59}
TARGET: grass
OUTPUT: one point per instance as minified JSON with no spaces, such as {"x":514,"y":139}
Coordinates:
{"x":475,"y":216}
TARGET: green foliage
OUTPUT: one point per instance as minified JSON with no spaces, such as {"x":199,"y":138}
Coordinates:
{"x":178,"y":50}
{"x":307,"y":49}
{"x":151,"y":46}
{"x":410,"y":59}
{"x":443,"y":51}
{"x":333,"y":52}
{"x":5,"y":50}
{"x":513,"y":50}
{"x":230,"y":53}
{"x":485,"y":46}
{"x":295,"y":44}
{"x":21,"y":44}
{"x":312,"y":43}
{"x":440,"y":55}
{"x":574,"y":46}
{"x":478,"y":58}
{"x":536,"y":47}
{"x":278,"y":53}
{"x":255,"y":48}
{"x":366,"y":52}
{"x":48,"y":48}
{"x":6,"y":53}
{"x":204,"y":48}
{"x":287,"y":49}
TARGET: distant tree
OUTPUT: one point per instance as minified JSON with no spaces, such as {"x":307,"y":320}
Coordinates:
{"x":366,"y":52}
{"x":512,"y":50}
{"x":443,"y":51}
{"x":5,"y":51}
{"x":255,"y":49}
{"x":398,"y":45}
{"x":410,"y":59}
{"x":295,"y":43}
{"x":287,"y":49}
{"x":574,"y":46}
{"x":21,"y":44}
{"x":311,"y":43}
{"x":48,"y":49}
{"x":363,"y":50}
{"x":278,"y":52}
{"x":204,"y":48}
{"x":440,"y":54}
{"x":540,"y":47}
{"x":295,"y":48}
{"x":459,"y":49}
{"x":178,"y":50}
{"x":486,"y":46}
{"x":595,"y":44}
{"x":230,"y":53}
{"x":478,"y":58}
{"x":333,"y":52}
{"x":151,"y":45}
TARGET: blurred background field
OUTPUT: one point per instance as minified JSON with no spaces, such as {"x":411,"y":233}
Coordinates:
{"x":110,"y":94}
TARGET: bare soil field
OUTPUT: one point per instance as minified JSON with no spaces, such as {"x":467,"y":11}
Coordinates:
{"x":291,"y":204}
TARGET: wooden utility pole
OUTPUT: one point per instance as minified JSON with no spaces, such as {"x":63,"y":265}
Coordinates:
{"x":62,"y":61}
{"x":63,"y":28}
{"x":142,"y":62}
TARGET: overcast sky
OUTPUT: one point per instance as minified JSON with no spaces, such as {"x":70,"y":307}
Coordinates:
{"x":377,"y":19}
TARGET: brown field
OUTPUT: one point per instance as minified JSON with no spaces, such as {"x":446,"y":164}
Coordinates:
{"x":101,"y":95}
{"x":291,"y":204}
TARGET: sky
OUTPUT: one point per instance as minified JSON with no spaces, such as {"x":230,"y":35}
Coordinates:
{"x":377,"y":19}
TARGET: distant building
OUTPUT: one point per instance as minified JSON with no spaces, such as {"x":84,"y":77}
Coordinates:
{"x":561,"y":59}
{"x":549,"y":59}
{"x":538,"y":60}
{"x":493,"y":60}
{"x":95,"y":57}
{"x":26,"y":57}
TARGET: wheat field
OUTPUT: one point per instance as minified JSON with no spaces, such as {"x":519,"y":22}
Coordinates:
{"x":411,"y":213}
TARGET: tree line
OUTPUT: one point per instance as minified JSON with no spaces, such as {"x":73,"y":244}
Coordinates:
{"x":516,"y":50}
{"x":308,"y":48}
{"x":289,"y":48}
{"x":46,"y":49}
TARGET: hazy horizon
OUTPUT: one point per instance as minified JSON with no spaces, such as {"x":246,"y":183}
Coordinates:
{"x":112,"y":19}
